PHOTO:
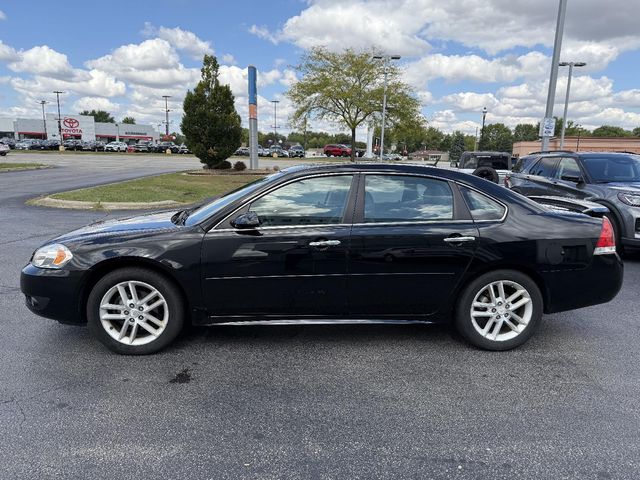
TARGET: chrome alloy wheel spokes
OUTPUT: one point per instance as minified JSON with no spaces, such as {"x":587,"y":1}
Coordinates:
{"x":501,"y":310}
{"x":134,"y":313}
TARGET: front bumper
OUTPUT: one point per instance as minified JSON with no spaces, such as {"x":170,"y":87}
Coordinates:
{"x":54,"y":294}
{"x":630,"y":242}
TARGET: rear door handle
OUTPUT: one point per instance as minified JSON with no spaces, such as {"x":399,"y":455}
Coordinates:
{"x":459,"y":239}
{"x":324,"y":243}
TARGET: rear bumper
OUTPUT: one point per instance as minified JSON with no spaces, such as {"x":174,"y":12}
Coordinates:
{"x":571,"y":289}
{"x":630,"y":242}
{"x":53,"y":294}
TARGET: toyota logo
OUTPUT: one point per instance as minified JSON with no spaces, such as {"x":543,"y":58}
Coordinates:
{"x":71,"y":123}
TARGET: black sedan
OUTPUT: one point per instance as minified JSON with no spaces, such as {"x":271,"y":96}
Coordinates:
{"x":358,"y":242}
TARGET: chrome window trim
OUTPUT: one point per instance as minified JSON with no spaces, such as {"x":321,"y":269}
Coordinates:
{"x":355,"y":173}
{"x":250,"y":201}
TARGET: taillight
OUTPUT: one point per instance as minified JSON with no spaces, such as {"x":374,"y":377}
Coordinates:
{"x":607,"y":241}
{"x":507,"y":181}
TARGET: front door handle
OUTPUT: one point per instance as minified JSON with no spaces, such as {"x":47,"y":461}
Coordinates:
{"x":459,"y":239}
{"x":324,"y":243}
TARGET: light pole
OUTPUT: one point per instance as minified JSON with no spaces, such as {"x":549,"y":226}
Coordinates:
{"x":58,"y":92}
{"x":579,"y":127}
{"x":44,"y":121}
{"x":553,"y":78}
{"x":166,"y":108}
{"x":275,"y":119}
{"x":385,"y":62}
{"x":566,"y":98}
{"x":484,"y":118}
{"x":117,"y":132}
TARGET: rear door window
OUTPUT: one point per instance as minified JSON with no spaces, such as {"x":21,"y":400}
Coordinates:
{"x":481,"y":206}
{"x":396,"y":198}
{"x":568,"y":167}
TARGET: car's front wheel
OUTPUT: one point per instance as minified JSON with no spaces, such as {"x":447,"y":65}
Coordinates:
{"x":499,"y":310}
{"x":135,"y":311}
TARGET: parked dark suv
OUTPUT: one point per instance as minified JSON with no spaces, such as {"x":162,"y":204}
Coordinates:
{"x":611,"y":179}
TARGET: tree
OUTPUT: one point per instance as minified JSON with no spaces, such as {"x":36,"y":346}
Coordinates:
{"x":497,"y":137}
{"x":211,"y":125}
{"x":346,"y":88}
{"x":410,"y":133}
{"x":636,"y":132}
{"x":99,"y":116}
{"x":525,"y":132}
{"x":610,"y":131}
{"x":129,"y":120}
{"x":457,"y":146}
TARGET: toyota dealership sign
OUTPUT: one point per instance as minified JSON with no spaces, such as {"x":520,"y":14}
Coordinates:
{"x":71,"y":126}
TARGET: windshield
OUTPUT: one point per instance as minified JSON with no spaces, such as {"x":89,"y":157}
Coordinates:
{"x":205,"y":211}
{"x":613,"y":168}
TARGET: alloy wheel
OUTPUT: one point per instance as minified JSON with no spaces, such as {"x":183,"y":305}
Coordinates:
{"x":134,"y":313}
{"x":501,"y":310}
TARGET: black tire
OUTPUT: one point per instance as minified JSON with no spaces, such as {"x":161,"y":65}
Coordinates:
{"x":328,"y":154}
{"x":171,"y":294}
{"x":488,"y":173}
{"x":464,"y":322}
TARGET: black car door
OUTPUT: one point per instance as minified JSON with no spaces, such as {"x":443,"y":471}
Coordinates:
{"x":540,"y":177}
{"x":411,"y":242}
{"x":294,"y":263}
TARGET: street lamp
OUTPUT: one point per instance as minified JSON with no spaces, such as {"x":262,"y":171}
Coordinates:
{"x":166,"y":108}
{"x":484,"y":118}
{"x":385,"y":59}
{"x":117,"y":132}
{"x":58,"y":92}
{"x":579,"y":127}
{"x":44,"y":121}
{"x":566,"y":99}
{"x":275,"y":119}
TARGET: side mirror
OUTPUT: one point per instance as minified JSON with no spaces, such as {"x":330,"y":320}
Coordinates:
{"x":572,"y":178}
{"x":246,"y":221}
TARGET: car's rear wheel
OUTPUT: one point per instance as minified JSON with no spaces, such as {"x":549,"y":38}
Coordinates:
{"x":499,"y":310}
{"x":135,"y":311}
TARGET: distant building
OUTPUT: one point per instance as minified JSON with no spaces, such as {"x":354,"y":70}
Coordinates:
{"x":82,"y":127}
{"x":583,"y":144}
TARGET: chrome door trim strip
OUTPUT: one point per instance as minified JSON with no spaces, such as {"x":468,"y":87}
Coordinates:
{"x":254,"y":277}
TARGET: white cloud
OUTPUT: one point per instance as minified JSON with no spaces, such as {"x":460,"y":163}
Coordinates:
{"x":475,"y":68}
{"x":264,"y":33}
{"x":3,"y":16}
{"x":95,"y":103}
{"x":43,"y":60}
{"x":180,"y":39}
{"x":229,"y":59}
{"x":7,"y":53}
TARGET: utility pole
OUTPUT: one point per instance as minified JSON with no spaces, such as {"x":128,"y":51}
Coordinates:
{"x":385,"y":66}
{"x":553,"y":78}
{"x":44,"y":120}
{"x":58,"y":92}
{"x":566,"y":99}
{"x":166,"y":108}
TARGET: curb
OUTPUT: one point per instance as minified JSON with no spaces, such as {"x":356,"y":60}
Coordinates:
{"x":79,"y":205}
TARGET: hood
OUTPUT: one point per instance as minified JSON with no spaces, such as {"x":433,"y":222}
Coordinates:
{"x":133,"y":225}
{"x":633,"y":187}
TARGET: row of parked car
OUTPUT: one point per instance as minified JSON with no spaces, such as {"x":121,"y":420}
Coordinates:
{"x":274,"y":151}
{"x":92,"y":145}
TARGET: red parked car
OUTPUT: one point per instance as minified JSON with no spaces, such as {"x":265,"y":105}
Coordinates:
{"x":337,"y":151}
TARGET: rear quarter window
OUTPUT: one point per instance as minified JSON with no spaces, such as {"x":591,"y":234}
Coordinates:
{"x":481,"y":206}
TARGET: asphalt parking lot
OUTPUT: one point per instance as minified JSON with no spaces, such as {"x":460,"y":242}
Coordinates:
{"x":307,"y":402}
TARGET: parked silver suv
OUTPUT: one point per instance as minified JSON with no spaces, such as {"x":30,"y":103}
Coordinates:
{"x":610,"y":179}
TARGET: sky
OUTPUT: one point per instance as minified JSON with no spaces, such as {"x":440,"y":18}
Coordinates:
{"x":459,"y":56}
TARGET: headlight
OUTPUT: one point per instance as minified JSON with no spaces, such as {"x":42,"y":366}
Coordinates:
{"x":630,"y":199}
{"x":51,"y":256}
